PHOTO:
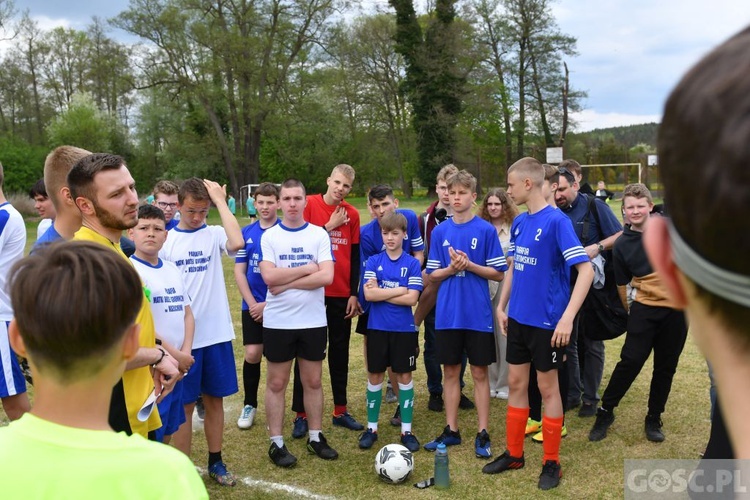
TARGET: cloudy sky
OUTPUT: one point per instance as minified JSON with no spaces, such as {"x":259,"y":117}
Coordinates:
{"x":631,"y":52}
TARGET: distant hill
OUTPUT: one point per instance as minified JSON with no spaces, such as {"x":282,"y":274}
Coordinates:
{"x":627,"y":136}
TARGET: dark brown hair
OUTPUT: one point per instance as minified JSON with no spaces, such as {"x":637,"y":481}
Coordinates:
{"x":267,"y":189}
{"x":73,"y":301}
{"x":195,"y":189}
{"x":81,"y":176}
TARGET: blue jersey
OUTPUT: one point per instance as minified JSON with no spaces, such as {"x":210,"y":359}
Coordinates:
{"x":463,"y":301}
{"x":251,"y":255}
{"x":50,"y":235}
{"x":371,"y":239}
{"x":543,"y":247}
{"x":578,"y":212}
{"x":371,"y":243}
{"x":404,"y":271}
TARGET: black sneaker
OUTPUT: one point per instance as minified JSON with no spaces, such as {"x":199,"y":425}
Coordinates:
{"x":653,"y":429}
{"x":281,"y":456}
{"x":466,"y":403}
{"x":550,"y":476}
{"x":504,"y":462}
{"x":436,"y":402}
{"x":396,"y":418}
{"x":604,"y":419}
{"x":322,"y":449}
{"x":587,"y":410}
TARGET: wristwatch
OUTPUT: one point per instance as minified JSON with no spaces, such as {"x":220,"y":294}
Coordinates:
{"x":600,"y":247}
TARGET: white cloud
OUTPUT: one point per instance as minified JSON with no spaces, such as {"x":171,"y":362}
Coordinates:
{"x":633,"y":52}
{"x":590,"y":119}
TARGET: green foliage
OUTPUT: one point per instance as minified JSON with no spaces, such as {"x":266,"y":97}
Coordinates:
{"x":85,"y":126}
{"x":23,"y":164}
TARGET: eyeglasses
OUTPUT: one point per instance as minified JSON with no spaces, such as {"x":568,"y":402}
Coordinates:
{"x":164,"y":205}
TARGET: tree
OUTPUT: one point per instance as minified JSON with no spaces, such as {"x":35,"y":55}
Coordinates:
{"x":232,"y":57}
{"x":433,"y":83}
{"x":367,"y":75}
{"x":84,"y":125}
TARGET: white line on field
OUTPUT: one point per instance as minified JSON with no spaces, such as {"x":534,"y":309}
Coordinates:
{"x":270,"y":487}
{"x":292,"y":490}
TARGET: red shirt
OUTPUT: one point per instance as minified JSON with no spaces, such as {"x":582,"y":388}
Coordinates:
{"x":318,"y":212}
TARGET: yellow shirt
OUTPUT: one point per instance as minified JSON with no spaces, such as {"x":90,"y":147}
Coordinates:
{"x":137,"y":383}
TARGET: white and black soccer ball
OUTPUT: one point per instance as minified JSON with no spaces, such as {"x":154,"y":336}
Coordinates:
{"x":394,"y":463}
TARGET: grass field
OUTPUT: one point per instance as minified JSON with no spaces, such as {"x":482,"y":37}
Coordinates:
{"x":590,"y":470}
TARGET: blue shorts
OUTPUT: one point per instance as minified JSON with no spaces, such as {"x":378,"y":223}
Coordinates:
{"x":172,"y":413}
{"x":11,"y":375}
{"x":213,"y":373}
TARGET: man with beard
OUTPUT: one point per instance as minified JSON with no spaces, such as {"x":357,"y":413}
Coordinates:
{"x":104,"y":192}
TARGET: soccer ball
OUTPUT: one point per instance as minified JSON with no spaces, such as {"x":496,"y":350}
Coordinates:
{"x":394,"y":463}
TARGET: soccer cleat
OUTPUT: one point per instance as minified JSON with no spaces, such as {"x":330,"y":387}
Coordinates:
{"x":482,"y":445}
{"x":410,"y":441}
{"x":587,"y":410}
{"x":504,"y":462}
{"x":300,"y":427}
{"x":367,"y":439}
{"x":221,"y":475}
{"x":436,"y":402}
{"x":465,"y":403}
{"x":448,"y":438}
{"x":502,"y":393}
{"x":281,"y":456}
{"x":550,"y":476}
{"x":322,"y":449}
{"x":533,"y":426}
{"x":396,"y":418}
{"x":200,"y":409}
{"x":539,"y":436}
{"x":604,"y":419}
{"x":346,"y":420}
{"x":653,"y":429}
{"x":390,"y":396}
{"x":246,"y":417}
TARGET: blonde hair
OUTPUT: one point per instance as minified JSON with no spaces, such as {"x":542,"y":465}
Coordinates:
{"x":56,"y":167}
{"x":345,"y":170}
{"x":531,"y":168}
{"x":446,"y":172}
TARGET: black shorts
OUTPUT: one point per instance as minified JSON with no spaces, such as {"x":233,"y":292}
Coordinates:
{"x":531,"y":344}
{"x":398,"y":350}
{"x":362,"y":324}
{"x":280,"y":346}
{"x":479,"y":346}
{"x":252,"y":331}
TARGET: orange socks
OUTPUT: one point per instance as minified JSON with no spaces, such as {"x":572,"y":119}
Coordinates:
{"x":515,"y":430}
{"x":552,"y":428}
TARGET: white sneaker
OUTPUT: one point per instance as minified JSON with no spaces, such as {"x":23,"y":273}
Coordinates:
{"x":246,"y":417}
{"x":502,"y":393}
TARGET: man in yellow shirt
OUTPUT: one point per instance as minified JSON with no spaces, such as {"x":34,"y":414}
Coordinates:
{"x":104,"y":192}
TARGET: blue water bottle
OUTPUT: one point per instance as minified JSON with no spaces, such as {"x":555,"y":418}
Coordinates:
{"x":442,"y":476}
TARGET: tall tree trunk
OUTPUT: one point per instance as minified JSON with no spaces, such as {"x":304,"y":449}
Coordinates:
{"x":565,"y":91}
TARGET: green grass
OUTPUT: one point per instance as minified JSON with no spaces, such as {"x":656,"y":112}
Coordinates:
{"x":590,"y":470}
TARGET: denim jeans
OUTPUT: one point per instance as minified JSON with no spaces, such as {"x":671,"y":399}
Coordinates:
{"x":585,"y":364}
